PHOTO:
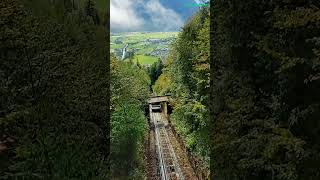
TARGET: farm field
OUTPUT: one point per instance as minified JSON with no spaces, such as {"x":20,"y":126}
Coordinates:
{"x":147,"y":47}
{"x":144,"y":60}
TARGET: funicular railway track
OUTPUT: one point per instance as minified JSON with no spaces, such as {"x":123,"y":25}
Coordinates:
{"x":167,"y":161}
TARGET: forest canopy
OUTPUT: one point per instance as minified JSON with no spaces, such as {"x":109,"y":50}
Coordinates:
{"x":129,"y":93}
{"x":265,"y":90}
{"x":186,"y":77}
{"x":243,"y":75}
{"x":54,"y":89}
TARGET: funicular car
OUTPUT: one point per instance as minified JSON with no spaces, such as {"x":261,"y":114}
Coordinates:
{"x":156,"y":107}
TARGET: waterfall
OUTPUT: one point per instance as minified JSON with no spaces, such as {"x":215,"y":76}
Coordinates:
{"x":124,"y":52}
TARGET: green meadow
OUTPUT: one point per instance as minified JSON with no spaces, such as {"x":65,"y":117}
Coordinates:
{"x":145,"y":60}
{"x":137,"y":41}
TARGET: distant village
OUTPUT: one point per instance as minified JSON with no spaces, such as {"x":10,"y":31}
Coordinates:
{"x":127,"y":51}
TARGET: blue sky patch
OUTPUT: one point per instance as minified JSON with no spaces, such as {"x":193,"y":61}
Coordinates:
{"x":151,"y":15}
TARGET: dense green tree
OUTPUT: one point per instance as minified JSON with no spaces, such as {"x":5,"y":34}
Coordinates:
{"x":130,"y":90}
{"x":138,"y":64}
{"x":265,"y":69}
{"x":54,"y":86}
{"x":163,"y":84}
{"x":186,"y":77}
{"x":155,"y":71}
{"x":91,"y":11}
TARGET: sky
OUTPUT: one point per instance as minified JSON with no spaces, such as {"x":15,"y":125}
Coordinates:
{"x":150,"y":15}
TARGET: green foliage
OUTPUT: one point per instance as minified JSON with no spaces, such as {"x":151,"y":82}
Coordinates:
{"x":129,"y":83}
{"x":155,"y":71}
{"x":128,"y":129}
{"x":186,"y":77}
{"x":162,"y":85}
{"x":265,"y":74}
{"x":54,"y":86}
{"x":130,"y":90}
{"x":91,"y":11}
{"x":145,"y":60}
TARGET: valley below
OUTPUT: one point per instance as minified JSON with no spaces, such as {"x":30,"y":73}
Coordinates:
{"x":142,"y":47}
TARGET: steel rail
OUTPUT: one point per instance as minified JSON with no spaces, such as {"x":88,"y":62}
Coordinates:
{"x":176,"y":164}
{"x":163,"y":144}
{"x":163,"y":173}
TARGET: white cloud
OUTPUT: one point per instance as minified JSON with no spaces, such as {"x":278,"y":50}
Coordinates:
{"x":136,"y":15}
{"x":163,"y":18}
{"x":201,"y":1}
{"x":123,"y":16}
